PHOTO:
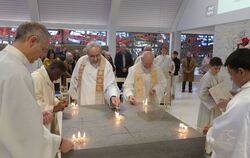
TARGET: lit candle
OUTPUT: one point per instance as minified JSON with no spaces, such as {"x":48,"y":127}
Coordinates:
{"x":74,"y":106}
{"x":183,"y":128}
{"x":74,"y":138}
{"x":117,"y":116}
{"x":145,"y":105}
{"x":145,"y":109}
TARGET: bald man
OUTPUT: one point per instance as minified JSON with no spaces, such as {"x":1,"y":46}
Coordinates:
{"x":144,"y":80}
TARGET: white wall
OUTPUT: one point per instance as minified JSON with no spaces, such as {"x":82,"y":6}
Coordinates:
{"x":226,"y":37}
{"x":195,"y":16}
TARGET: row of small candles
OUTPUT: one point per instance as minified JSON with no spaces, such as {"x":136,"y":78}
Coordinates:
{"x":80,"y":139}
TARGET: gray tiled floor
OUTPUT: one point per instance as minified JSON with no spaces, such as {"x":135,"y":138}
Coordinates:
{"x":185,"y":106}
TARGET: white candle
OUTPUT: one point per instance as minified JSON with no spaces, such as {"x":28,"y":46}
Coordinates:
{"x":74,"y":138}
{"x":183,"y":128}
{"x":145,"y":103}
{"x":117,"y":116}
{"x":74,"y":106}
{"x":146,"y":109}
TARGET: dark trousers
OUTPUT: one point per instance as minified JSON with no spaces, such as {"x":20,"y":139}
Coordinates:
{"x":189,"y":86}
{"x":119,"y":84}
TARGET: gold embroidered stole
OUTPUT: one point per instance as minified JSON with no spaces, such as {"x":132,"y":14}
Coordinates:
{"x":99,"y":81}
{"x":139,"y":82}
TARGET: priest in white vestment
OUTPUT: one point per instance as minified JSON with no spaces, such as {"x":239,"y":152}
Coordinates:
{"x":45,"y":92}
{"x":22,"y":134}
{"x":230,"y":134}
{"x":93,"y":80}
{"x":208,"y":110}
{"x":144,"y":80}
{"x":165,"y":62}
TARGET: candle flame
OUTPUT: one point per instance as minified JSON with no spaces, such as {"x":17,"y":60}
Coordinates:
{"x":79,"y":134}
{"x":117,"y":115}
{"x":182,"y":126}
{"x":73,"y":136}
{"x":84,"y":135}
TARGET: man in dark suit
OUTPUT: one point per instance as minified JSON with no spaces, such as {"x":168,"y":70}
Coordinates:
{"x":123,"y":60}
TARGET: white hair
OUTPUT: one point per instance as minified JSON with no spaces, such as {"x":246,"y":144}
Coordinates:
{"x":91,"y":45}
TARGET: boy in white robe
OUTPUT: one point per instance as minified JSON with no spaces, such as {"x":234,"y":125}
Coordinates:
{"x":93,"y":80}
{"x":208,"y":110}
{"x":230,"y":134}
{"x":44,"y":91}
{"x":165,"y":62}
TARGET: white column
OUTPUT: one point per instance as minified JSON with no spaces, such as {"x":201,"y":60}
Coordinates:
{"x":175,"y":39}
{"x":34,"y":10}
{"x":112,"y":26}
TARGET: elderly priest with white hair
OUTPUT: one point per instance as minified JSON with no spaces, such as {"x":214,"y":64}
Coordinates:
{"x":144,"y":80}
{"x":93,"y":79}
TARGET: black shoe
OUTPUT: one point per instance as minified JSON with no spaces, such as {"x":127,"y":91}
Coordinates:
{"x":183,"y":91}
{"x":161,"y":103}
{"x":190,"y":91}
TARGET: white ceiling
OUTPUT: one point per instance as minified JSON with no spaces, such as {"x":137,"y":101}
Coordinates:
{"x":127,"y":15}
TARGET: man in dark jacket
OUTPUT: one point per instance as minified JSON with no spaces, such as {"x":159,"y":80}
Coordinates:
{"x":123,"y":60}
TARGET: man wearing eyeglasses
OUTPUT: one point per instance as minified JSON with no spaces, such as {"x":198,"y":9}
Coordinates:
{"x":93,"y":80}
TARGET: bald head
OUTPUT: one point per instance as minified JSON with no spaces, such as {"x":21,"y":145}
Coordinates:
{"x":147,"y":59}
{"x":69,"y":56}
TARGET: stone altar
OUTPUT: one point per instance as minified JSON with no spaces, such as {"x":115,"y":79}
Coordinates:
{"x":139,"y":135}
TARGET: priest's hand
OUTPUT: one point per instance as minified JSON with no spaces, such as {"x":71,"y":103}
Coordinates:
{"x":132,"y":100}
{"x":47,"y":117}
{"x":66,"y":145}
{"x":115,"y":101}
{"x":60,"y":106}
{"x":65,"y":102}
{"x":152,"y":92}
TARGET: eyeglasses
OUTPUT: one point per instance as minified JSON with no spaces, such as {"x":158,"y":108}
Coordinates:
{"x":94,"y":56}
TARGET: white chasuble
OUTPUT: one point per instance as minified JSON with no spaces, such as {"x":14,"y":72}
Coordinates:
{"x":141,"y":81}
{"x":93,"y":84}
{"x":22,"y":133}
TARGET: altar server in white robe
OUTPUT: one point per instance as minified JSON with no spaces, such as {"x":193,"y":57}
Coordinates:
{"x":208,"y":110}
{"x":22,"y":134}
{"x":144,"y":80}
{"x":93,"y":80}
{"x":44,"y":91}
{"x":230,"y":134}
{"x":165,"y":62}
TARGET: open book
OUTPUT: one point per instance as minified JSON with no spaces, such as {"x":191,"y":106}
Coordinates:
{"x":220,"y":91}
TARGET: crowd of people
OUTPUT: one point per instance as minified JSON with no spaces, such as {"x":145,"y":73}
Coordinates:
{"x":28,"y":104}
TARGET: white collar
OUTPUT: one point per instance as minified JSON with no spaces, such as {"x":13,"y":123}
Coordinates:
{"x":17,"y":53}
